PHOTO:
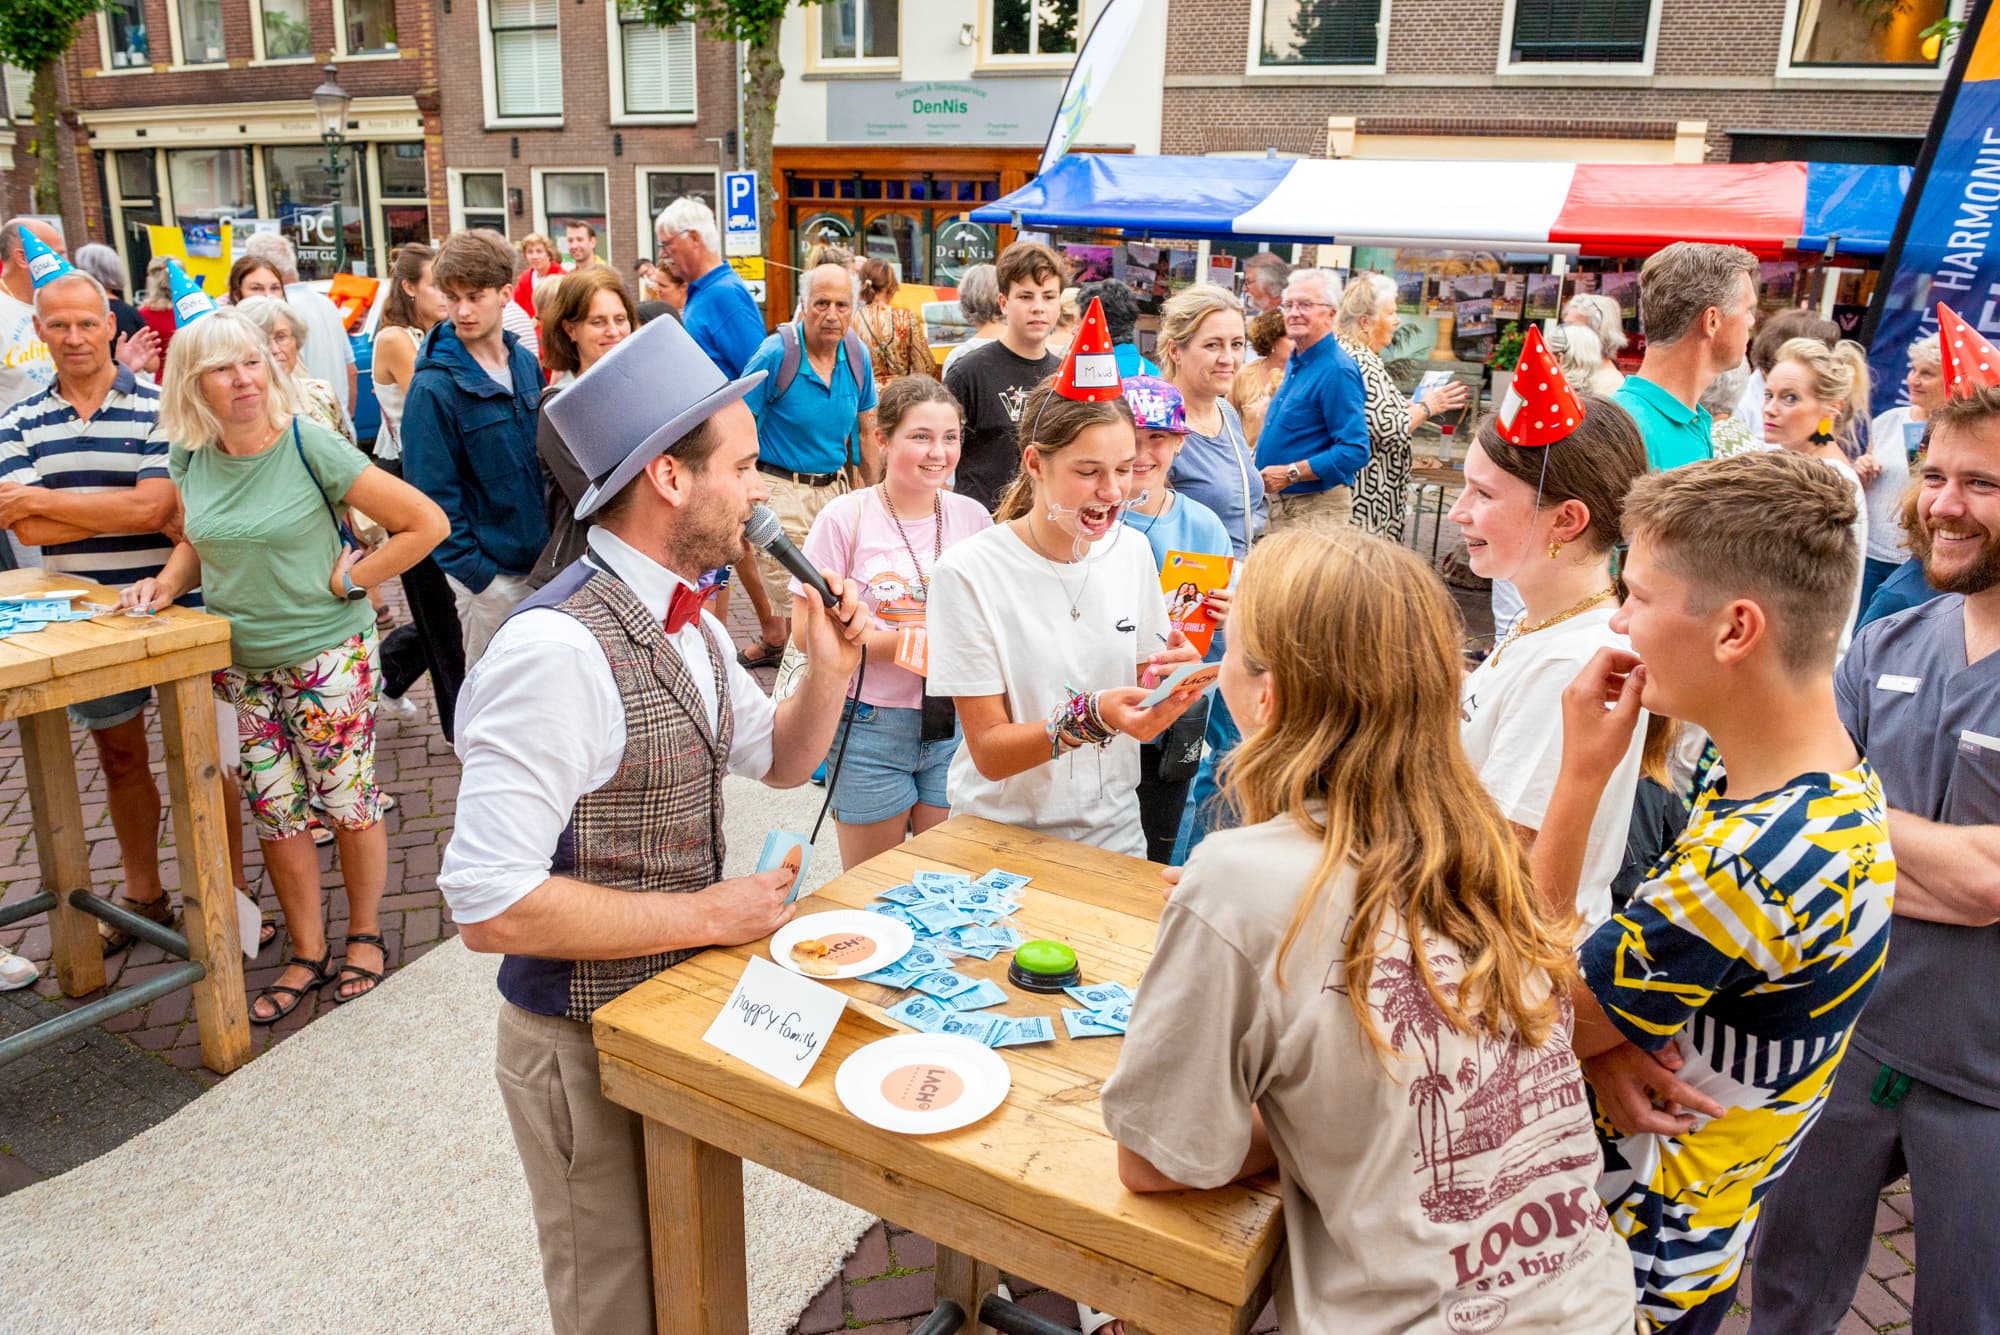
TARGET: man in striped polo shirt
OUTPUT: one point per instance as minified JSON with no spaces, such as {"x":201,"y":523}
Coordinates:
{"x":83,"y":475}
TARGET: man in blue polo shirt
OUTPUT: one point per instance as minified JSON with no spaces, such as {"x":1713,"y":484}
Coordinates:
{"x":83,"y":475}
{"x":810,"y":430}
{"x":1315,"y":436}
{"x":1696,"y":305}
{"x":720,"y":312}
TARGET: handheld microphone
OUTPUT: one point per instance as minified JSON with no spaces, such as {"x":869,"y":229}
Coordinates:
{"x":764,"y":531}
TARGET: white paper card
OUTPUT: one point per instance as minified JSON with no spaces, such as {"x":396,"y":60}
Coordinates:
{"x":249,"y":924}
{"x":777,"y":1021}
{"x":1904,"y":685}
{"x":1968,"y":738}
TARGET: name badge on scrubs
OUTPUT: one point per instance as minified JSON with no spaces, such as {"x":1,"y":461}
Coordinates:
{"x":1968,"y":740}
{"x":1905,"y":685}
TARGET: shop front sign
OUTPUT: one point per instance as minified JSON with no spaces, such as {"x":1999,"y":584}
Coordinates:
{"x":1000,"y":111}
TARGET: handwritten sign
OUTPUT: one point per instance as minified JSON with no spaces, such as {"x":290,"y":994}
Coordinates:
{"x":777,"y":1021}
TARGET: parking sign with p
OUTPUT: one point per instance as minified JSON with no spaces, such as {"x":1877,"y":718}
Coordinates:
{"x":740,"y":232}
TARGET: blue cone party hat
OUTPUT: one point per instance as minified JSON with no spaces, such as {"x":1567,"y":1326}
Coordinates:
{"x":190,"y":302}
{"x":44,"y":264}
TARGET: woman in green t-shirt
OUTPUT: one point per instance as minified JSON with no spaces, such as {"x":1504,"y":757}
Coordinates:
{"x":265,"y":491}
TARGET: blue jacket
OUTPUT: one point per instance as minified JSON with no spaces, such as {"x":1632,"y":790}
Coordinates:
{"x":1318,"y":417}
{"x":469,"y":445}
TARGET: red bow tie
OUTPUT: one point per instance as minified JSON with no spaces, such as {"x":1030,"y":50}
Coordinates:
{"x":683,"y":607}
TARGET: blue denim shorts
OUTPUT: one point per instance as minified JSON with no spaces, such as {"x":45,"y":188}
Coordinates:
{"x":111,"y":710}
{"x":888,"y":768}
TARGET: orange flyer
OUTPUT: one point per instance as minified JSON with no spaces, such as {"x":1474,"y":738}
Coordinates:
{"x":1187,"y":578}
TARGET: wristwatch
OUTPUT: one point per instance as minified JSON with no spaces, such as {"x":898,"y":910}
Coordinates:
{"x":349,"y":590}
{"x":1291,"y":472}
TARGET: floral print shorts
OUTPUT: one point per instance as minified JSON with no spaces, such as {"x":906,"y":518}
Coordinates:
{"x":308,"y":732}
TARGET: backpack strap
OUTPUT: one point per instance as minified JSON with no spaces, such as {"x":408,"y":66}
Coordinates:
{"x":792,"y":353}
{"x":859,"y":365}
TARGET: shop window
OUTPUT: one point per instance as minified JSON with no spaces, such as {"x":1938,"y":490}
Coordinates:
{"x":662,"y":188}
{"x":302,"y":201}
{"x":133,"y":182}
{"x":860,"y":30}
{"x":1033,"y":27}
{"x":125,"y":34}
{"x":287,"y":32}
{"x":658,"y":66}
{"x":1866,"y":32}
{"x":1597,"y":32}
{"x":569,"y":197}
{"x":482,"y":200}
{"x":201,"y":31}
{"x":400,"y":169}
{"x":138,"y":177}
{"x":209,"y":184}
{"x":369,"y":26}
{"x":527,"y":58}
{"x":1319,"y":32}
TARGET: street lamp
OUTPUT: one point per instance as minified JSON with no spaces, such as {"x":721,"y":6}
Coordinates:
{"x":330,"y":105}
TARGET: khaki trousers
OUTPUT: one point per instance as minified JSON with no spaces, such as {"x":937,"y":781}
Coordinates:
{"x":586,"y":1164}
{"x":1317,"y":512}
{"x":796,"y":506}
{"x":480,"y":614}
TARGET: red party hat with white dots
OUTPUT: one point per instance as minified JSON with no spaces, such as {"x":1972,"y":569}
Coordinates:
{"x":1089,"y":371}
{"x":1540,"y":408}
{"x":1970,"y":362}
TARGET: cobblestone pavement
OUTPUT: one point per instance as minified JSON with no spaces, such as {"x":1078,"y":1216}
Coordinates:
{"x":72,"y":1101}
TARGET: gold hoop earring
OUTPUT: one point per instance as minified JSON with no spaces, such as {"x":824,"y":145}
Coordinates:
{"x":1555,"y":548}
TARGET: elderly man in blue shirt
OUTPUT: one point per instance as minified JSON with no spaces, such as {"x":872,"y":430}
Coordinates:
{"x":1315,"y":437}
{"x":813,"y":427}
{"x":720,"y":313}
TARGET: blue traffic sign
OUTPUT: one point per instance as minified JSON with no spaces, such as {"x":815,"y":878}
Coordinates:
{"x":739,"y":214}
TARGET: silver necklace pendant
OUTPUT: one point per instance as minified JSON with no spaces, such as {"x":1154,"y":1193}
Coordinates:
{"x":1075,"y":614}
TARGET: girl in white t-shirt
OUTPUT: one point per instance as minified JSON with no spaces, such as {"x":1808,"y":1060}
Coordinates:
{"x":1815,"y":401}
{"x":890,"y":539}
{"x":1049,"y":629}
{"x":1546,"y":519}
{"x":1358,"y":988}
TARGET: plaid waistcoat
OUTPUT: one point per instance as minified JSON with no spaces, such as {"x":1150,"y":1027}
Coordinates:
{"x":656,"y":825}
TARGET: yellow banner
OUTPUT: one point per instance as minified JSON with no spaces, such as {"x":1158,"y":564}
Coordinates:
{"x":214,"y":273}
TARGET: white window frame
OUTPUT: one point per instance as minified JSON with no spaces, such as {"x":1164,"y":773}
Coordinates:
{"x":487,"y":91}
{"x":614,"y":33}
{"x":1254,"y":65}
{"x":540,"y":213}
{"x":454,"y":193}
{"x":259,"y":55}
{"x":1594,"y":69}
{"x":340,"y":50}
{"x":649,"y":243}
{"x":178,"y":52}
{"x":817,"y":63}
{"x":104,"y":65}
{"x":1788,"y":38}
{"x":989,"y":60}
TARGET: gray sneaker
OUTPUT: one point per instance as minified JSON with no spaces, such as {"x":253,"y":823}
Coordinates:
{"x":16,"y":971}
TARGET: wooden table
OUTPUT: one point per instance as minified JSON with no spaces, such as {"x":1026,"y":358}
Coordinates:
{"x":1031,"y":1189}
{"x":174,"y":652}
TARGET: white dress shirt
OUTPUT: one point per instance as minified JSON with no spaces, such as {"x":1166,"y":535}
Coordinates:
{"x":541,"y":723}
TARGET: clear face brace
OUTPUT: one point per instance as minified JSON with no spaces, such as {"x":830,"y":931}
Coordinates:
{"x":1086,"y":523}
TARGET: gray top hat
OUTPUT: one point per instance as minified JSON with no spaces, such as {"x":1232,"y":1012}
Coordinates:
{"x":637,"y":403}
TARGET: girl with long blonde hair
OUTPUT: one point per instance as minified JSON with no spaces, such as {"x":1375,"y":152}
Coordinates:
{"x":1815,"y":401}
{"x":1359,"y":985}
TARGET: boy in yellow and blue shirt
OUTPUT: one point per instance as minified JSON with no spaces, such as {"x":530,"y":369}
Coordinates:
{"x":1713,"y":1010}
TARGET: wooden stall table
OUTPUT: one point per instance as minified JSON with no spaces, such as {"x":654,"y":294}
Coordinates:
{"x":174,"y":652}
{"x":1031,"y":1189}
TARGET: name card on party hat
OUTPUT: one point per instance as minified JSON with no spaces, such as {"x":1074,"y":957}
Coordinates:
{"x":777,"y":1021}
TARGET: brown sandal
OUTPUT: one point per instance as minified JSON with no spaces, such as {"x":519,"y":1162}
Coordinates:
{"x":762,"y":654}
{"x":160,"y":911}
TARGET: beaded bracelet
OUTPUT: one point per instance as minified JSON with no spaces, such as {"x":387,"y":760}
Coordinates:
{"x":1077,"y":721}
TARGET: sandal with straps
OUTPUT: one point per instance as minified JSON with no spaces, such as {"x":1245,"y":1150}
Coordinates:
{"x":322,"y":974}
{"x":354,"y":973}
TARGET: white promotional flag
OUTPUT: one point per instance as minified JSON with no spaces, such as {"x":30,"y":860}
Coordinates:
{"x":1094,"y":65}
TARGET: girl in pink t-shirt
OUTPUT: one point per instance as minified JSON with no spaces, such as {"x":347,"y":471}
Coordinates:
{"x":891,"y":782}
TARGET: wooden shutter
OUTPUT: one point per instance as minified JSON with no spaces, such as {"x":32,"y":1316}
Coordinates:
{"x":1581,"y":30}
{"x":527,"y":58}
{"x":659,"y":69}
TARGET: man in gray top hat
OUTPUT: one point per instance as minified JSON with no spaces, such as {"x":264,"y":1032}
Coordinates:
{"x":595,"y":733}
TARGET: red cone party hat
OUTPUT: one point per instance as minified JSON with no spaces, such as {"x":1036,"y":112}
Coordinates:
{"x":1089,"y":371}
{"x":1540,"y":408}
{"x":1970,"y":362}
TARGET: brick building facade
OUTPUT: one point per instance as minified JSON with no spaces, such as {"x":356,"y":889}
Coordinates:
{"x":1510,"y":78}
{"x":559,"y":111}
{"x":190,"y":111}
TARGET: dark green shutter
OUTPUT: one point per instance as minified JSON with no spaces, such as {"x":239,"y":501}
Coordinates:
{"x":1581,"y":30}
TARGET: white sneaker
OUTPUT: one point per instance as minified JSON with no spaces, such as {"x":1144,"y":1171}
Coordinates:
{"x":16,"y":971}
{"x":402,"y":707}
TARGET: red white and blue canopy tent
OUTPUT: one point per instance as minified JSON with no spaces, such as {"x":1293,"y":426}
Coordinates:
{"x":1772,"y":208}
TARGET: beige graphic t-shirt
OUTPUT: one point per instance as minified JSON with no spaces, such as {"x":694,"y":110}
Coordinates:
{"x":1453,"y":1192}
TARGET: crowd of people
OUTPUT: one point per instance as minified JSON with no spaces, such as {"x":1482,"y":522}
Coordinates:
{"x":1657,"y":933}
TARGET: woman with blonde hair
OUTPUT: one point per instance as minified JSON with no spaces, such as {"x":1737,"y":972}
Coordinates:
{"x":1201,"y":348}
{"x":1893,"y":439}
{"x":1815,"y":401}
{"x":1364,"y":321}
{"x":897,"y":342}
{"x":1251,"y":393}
{"x":265,"y":491}
{"x":538,"y":261}
{"x":156,"y":304}
{"x":1362,"y":963}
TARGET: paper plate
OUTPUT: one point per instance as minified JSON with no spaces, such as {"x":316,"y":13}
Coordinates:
{"x":916,"y":1084}
{"x":856,"y":942}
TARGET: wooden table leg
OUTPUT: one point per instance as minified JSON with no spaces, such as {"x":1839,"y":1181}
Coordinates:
{"x":966,"y":1282}
{"x":208,"y":900}
{"x":65,"y":857}
{"x":694,"y":1195}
